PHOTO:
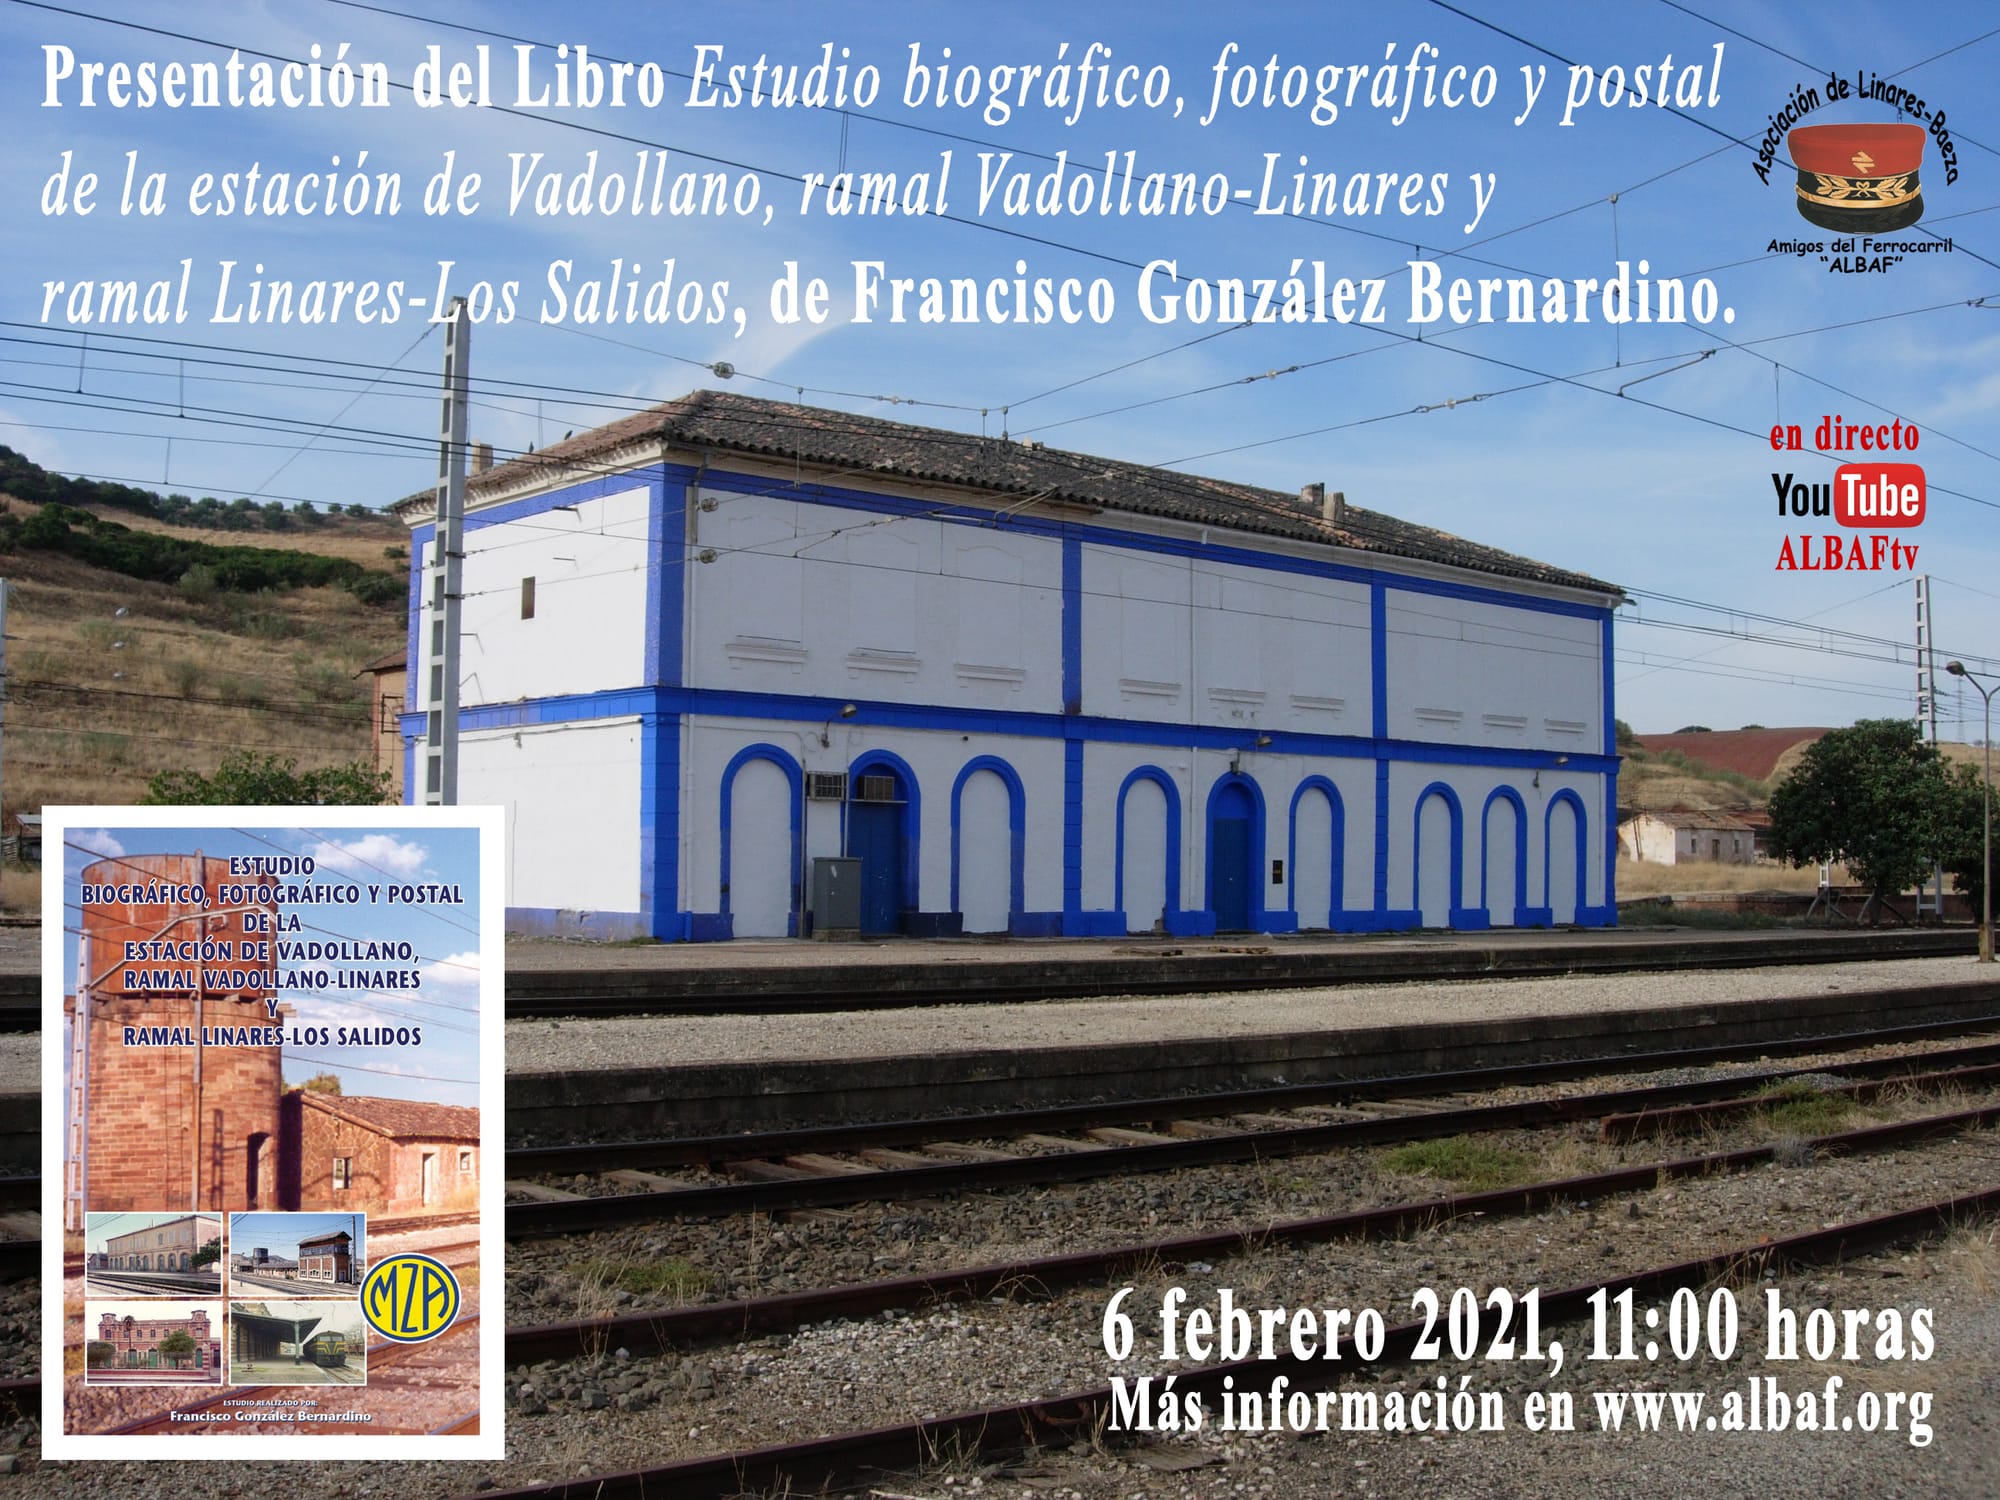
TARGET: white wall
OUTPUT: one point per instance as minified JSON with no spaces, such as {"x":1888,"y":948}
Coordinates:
{"x":1268,"y":650}
{"x":935,"y":757}
{"x":812,"y":599}
{"x":571,"y":792}
{"x":589,"y":628}
{"x":1467,"y":673}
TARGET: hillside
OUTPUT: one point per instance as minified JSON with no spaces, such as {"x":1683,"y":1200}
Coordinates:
{"x":129,"y":651}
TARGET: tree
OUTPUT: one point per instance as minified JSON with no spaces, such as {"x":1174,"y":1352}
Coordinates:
{"x":246,"y":778}
{"x":97,"y":1354}
{"x":176,"y":1346}
{"x":1875,"y":797}
{"x":322,"y":1083}
{"x":1626,"y":738}
{"x":207,"y":1255}
{"x":1965,"y":848}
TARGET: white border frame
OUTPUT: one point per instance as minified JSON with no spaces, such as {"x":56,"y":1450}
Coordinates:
{"x":489,"y":1443}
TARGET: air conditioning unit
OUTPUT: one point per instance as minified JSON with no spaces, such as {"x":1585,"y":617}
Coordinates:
{"x":827,"y":786}
{"x":875,"y":789}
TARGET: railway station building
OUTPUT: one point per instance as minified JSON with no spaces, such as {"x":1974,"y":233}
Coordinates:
{"x":1025,"y":691}
{"x":135,"y":1341}
{"x":328,"y":1258}
{"x":170,"y":1245}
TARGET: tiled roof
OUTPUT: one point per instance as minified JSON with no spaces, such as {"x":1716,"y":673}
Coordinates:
{"x":1694,"y":818}
{"x":863,"y":446}
{"x":402,"y":1119}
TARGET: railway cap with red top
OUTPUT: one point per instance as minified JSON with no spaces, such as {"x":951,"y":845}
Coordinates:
{"x":1859,"y":178}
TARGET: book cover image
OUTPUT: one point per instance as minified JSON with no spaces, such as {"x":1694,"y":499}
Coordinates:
{"x":271,"y":1100}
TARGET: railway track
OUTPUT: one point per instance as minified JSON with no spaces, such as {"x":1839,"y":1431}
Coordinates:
{"x":828,"y":1167}
{"x":995,"y":1432}
{"x":793,"y":1170}
{"x":651,"y":1330}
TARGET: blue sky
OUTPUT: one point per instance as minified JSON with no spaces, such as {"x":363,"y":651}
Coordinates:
{"x":281,"y":1233}
{"x":444,"y":1067}
{"x":1514,"y":435}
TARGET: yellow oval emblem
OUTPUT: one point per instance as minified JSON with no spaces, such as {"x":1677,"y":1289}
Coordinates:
{"x":410,"y":1298}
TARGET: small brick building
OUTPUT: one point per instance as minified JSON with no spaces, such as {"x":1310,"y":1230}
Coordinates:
{"x":135,"y":1342}
{"x":327,"y":1257}
{"x":390,"y":1156}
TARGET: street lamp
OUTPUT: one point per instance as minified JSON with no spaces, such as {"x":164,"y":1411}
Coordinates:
{"x":1957,"y":669}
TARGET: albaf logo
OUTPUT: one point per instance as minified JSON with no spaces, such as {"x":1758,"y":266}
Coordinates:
{"x":1859,"y":179}
{"x":410,"y":1298}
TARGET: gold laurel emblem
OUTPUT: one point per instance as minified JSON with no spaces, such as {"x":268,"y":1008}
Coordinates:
{"x":1861,"y":192}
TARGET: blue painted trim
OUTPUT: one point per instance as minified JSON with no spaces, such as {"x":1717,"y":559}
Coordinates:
{"x":1381,"y":836}
{"x":1582,"y":844}
{"x":707,"y":927}
{"x":1455,"y":892}
{"x":1017,"y":827}
{"x":1504,"y":794}
{"x":1036,"y":924}
{"x":1470,"y":919}
{"x":934,"y":924}
{"x":659,"y":815}
{"x":1072,"y":624}
{"x":1096,"y":924}
{"x":1378,"y":661}
{"x":413,"y":649}
{"x":478,"y":518}
{"x":1240,"y":554}
{"x":1534,"y":916}
{"x":1611,"y":777}
{"x":598,"y":926}
{"x":1189,"y":923}
{"x":409,"y":771}
{"x":912,"y":817}
{"x":1259,"y":868}
{"x":788,"y":708}
{"x":1173,"y":850}
{"x":1338,"y":819}
{"x":795,"y":801}
{"x":1072,"y":853}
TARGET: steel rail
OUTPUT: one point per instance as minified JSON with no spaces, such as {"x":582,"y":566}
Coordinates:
{"x":673,"y":1328}
{"x":997,"y":1431}
{"x":577,"y":1215}
{"x":527,"y":1161}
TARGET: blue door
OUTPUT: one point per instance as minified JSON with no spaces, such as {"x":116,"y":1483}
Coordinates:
{"x":875,"y":837}
{"x":1229,"y":859}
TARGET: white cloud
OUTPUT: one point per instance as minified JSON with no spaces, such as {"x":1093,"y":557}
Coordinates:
{"x":377,"y":851}
{"x":457,"y":968}
{"x":98,"y":841}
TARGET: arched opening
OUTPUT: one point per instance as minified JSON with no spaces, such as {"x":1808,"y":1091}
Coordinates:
{"x":988,"y":833}
{"x":253,"y":1166}
{"x":760,"y":842}
{"x":1232,"y":855}
{"x":1504,"y":845}
{"x":881,"y":833}
{"x":1317,"y":850}
{"x":1565,"y":858}
{"x":1438,"y":852}
{"x":1147,"y":818}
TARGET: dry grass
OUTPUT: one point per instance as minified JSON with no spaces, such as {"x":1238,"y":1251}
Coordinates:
{"x":270,"y":673}
{"x":1643,"y":878}
{"x":360,"y":539}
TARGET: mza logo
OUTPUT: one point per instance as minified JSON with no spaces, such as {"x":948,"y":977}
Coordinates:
{"x":1875,"y":496}
{"x":410,"y":1298}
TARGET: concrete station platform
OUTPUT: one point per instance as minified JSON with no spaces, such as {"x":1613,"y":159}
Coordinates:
{"x":671,"y":1075}
{"x":776,"y":974}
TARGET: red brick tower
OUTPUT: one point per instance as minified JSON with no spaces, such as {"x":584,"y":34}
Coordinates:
{"x":166,"y":1120}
